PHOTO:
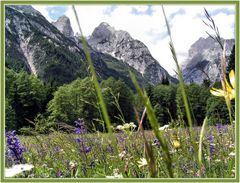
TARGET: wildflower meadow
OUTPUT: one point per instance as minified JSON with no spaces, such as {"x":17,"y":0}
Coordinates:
{"x":151,"y":146}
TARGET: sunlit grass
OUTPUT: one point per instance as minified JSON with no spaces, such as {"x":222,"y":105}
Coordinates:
{"x":51,"y":154}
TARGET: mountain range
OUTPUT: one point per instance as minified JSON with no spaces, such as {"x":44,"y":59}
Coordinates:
{"x":53,"y":53}
{"x":203,"y":62}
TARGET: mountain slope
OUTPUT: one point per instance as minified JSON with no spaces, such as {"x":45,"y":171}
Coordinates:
{"x":203,"y":60}
{"x":122,"y":46}
{"x":37,"y":46}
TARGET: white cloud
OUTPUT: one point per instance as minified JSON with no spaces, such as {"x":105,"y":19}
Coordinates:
{"x":43,"y":10}
{"x":186,"y":27}
{"x":224,"y":23}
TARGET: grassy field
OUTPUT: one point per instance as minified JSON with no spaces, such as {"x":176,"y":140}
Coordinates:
{"x":86,"y":155}
{"x":125,"y":152}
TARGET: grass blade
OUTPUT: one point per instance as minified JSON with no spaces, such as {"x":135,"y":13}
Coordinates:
{"x":94,"y":76}
{"x":154,"y":123}
{"x":189,"y":114}
{"x":179,"y":72}
{"x":201,"y":140}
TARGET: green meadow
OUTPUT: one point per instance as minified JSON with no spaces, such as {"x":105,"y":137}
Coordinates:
{"x":91,"y":128}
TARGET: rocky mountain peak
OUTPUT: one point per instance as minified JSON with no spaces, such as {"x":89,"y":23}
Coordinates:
{"x":121,"y":45}
{"x":105,"y":25}
{"x":204,"y":60}
{"x":25,"y":9}
{"x":103,"y":32}
{"x":64,"y":26}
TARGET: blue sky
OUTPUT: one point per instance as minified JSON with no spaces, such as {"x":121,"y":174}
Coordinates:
{"x":146,"y":23}
{"x":110,"y":9}
{"x":226,"y":11}
{"x":55,"y":12}
{"x":148,"y":11}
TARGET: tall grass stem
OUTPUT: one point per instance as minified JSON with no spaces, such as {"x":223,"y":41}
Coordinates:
{"x":201,"y":140}
{"x":94,"y":76}
{"x":189,"y":114}
{"x":154,"y":124}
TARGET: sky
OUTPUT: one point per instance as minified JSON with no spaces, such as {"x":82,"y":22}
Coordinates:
{"x":146,"y":23}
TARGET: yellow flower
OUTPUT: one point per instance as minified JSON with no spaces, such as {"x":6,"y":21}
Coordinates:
{"x":176,"y":144}
{"x":229,"y":92}
{"x":142,"y":162}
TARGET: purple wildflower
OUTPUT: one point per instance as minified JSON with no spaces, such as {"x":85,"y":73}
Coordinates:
{"x":59,"y":174}
{"x":14,"y":145}
{"x":219,"y":127}
{"x":210,"y":138}
{"x":87,"y":149}
{"x":78,"y":140}
{"x":57,"y":149}
{"x":211,"y":144}
{"x":81,"y":130}
{"x":225,"y":129}
{"x":80,"y":126}
{"x":78,"y":130}
{"x":211,"y":149}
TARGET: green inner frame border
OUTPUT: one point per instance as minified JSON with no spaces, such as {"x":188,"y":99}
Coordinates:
{"x":236,"y":3}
